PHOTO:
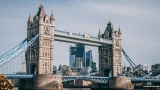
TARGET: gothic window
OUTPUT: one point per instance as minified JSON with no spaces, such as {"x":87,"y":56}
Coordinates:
{"x":117,"y":43}
{"x":45,"y":64}
{"x":106,"y":60}
{"x":35,"y":54}
{"x":109,"y":52}
{"x":103,"y":62}
{"x":46,"y":21}
{"x":46,"y":28}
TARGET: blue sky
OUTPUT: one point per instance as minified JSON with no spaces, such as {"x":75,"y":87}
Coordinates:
{"x":139,"y":21}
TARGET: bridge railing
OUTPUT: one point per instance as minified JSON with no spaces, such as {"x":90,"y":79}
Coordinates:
{"x":85,"y":36}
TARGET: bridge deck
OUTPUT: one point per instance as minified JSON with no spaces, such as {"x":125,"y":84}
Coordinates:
{"x":79,"y":38}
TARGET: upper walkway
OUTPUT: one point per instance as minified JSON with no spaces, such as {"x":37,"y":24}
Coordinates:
{"x":79,"y":38}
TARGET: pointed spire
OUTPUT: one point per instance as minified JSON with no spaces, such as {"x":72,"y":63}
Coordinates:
{"x":99,"y":34}
{"x":108,"y":30}
{"x":112,"y":28}
{"x":41,"y":5}
{"x":109,"y":22}
{"x":41,"y":11}
{"x":60,"y":67}
{"x":52,"y":17}
{"x":119,"y":31}
{"x":29,"y":19}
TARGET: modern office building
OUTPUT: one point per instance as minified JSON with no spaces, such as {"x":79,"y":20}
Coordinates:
{"x":145,"y":68}
{"x":94,"y":68}
{"x":81,"y":57}
{"x":89,"y":58}
{"x":54,"y":68}
{"x":155,"y":69}
{"x":72,"y":56}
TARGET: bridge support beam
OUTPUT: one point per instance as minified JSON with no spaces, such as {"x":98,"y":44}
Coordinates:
{"x":42,"y":82}
{"x":120,"y":83}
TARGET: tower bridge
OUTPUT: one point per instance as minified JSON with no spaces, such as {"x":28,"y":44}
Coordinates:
{"x":39,"y":47}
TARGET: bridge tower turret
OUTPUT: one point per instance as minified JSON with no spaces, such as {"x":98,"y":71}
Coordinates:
{"x":99,"y":34}
{"x":110,"y":55}
{"x":29,"y":21}
{"x":40,"y":53}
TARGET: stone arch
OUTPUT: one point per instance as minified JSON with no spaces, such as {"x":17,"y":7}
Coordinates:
{"x":107,"y":72}
{"x":34,"y":69}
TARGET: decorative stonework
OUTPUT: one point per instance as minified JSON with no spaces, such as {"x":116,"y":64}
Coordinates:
{"x":121,"y":83}
{"x":110,"y":55}
{"x":42,"y":82}
{"x":41,"y":52}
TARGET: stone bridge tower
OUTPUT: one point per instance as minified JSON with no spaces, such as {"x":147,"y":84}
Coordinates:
{"x":110,"y":55}
{"x":40,"y":54}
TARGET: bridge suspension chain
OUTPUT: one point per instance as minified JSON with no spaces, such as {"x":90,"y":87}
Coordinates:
{"x":14,"y":49}
{"x":135,"y":68}
{"x":128,"y":59}
{"x":18,"y":51}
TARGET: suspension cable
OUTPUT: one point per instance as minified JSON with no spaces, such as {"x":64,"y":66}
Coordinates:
{"x":19,"y":51}
{"x":14,"y":49}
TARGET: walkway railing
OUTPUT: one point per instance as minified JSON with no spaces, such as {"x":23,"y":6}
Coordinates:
{"x":84,"y":39}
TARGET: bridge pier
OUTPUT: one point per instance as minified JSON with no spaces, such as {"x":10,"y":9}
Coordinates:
{"x":41,"y":82}
{"x":120,"y":83}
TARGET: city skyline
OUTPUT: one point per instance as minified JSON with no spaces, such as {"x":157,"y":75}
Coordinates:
{"x":138,"y":21}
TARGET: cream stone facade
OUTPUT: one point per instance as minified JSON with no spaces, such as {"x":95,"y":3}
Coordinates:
{"x":121,"y":83}
{"x":40,"y":54}
{"x":110,"y":55}
{"x":83,"y":83}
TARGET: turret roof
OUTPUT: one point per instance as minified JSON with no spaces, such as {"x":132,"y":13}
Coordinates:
{"x":99,"y":32}
{"x":119,"y":31}
{"x":52,"y":17}
{"x":41,"y":11}
{"x":29,"y":19}
{"x":108,"y":28}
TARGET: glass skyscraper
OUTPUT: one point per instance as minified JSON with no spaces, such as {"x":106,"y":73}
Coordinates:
{"x":72,"y":56}
{"x":89,"y":58}
{"x":80,"y":57}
